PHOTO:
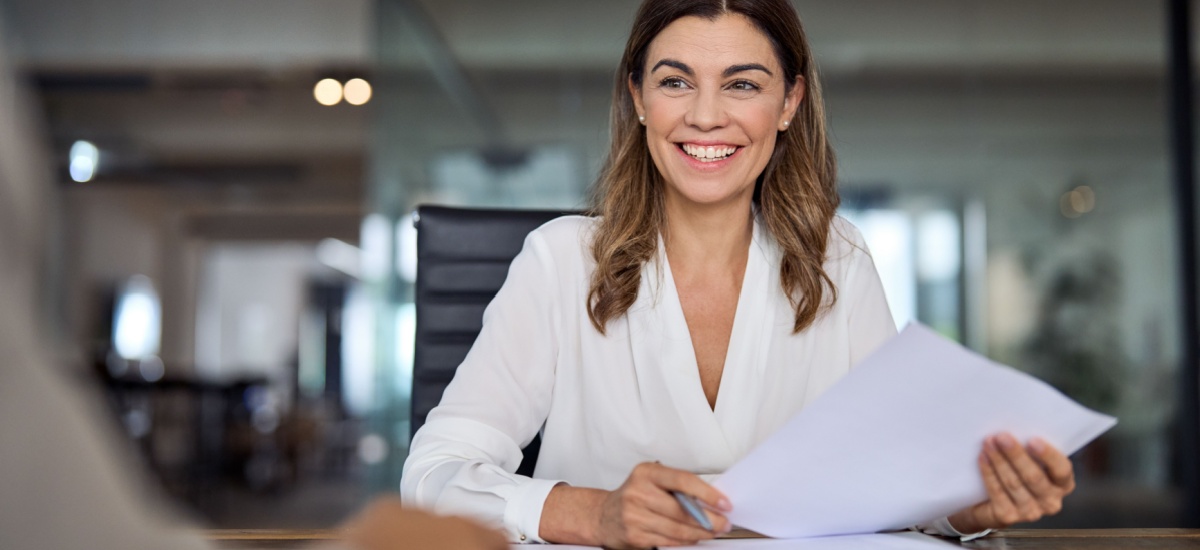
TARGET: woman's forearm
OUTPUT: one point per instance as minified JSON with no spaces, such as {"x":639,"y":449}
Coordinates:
{"x":571,"y":515}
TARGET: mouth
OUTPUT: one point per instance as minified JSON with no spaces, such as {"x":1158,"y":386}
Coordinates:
{"x":708,"y":153}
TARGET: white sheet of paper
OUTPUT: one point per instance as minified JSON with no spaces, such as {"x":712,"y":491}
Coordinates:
{"x":895,"y":442}
{"x":881,"y":541}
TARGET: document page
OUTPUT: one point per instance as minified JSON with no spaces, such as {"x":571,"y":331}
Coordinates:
{"x":884,"y":541}
{"x":880,"y":541}
{"x":895,"y":442}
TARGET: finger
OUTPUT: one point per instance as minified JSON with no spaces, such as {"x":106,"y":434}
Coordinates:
{"x":674,"y":521}
{"x":1047,"y":494}
{"x":1058,"y":467}
{"x":720,"y":523}
{"x":660,"y":512}
{"x":1048,"y":490}
{"x":999,"y":510}
{"x":690,"y":484}
{"x":1026,"y":505}
{"x":652,"y":528}
{"x":1030,"y":470}
{"x":684,"y":533}
{"x":673,"y":509}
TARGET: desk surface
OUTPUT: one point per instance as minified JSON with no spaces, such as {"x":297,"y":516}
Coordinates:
{"x":1049,"y":539}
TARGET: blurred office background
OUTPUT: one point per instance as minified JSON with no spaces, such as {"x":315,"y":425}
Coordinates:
{"x":231,"y":257}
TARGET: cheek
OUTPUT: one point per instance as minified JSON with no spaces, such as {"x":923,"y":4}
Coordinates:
{"x":662,"y":115}
{"x":762,"y":120}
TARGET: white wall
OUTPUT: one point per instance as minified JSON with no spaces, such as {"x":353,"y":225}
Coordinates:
{"x":250,"y":299}
{"x":213,"y":33}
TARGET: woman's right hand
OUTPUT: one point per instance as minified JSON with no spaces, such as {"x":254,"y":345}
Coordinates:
{"x":642,"y":513}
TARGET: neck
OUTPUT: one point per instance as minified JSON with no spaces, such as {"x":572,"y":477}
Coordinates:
{"x":713,"y":238}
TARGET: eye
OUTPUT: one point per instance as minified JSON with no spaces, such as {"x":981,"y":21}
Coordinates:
{"x":743,"y":86}
{"x":673,"y":83}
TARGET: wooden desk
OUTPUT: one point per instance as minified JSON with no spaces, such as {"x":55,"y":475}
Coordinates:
{"x":1097,"y":539}
{"x":1048,"y":539}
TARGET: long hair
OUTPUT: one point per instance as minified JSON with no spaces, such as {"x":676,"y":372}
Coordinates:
{"x":796,"y":194}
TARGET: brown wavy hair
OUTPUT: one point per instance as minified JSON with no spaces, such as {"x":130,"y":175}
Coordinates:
{"x":796,"y":194}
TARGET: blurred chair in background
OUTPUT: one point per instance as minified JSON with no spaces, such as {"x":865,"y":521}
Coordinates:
{"x":463,"y":256}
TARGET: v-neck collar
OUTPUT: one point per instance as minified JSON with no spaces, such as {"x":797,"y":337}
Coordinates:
{"x":663,"y":350}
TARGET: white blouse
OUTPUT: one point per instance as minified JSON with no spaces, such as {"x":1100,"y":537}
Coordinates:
{"x":603,"y":404}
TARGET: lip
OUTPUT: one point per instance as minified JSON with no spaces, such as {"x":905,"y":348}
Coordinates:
{"x":708,"y":166}
{"x":708,"y":143}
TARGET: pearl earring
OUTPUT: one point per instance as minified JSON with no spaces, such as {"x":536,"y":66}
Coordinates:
{"x":786,"y":123}
{"x":641,"y":118}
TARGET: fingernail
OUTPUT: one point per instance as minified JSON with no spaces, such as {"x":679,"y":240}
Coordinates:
{"x":1037,"y":445}
{"x":727,"y":528}
{"x":1006,"y":441}
{"x":724,"y":505}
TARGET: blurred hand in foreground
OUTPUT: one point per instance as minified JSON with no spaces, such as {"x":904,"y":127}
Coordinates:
{"x":385,"y":525}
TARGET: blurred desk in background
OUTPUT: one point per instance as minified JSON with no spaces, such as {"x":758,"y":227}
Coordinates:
{"x":1041,"y":539}
{"x":270,"y":538}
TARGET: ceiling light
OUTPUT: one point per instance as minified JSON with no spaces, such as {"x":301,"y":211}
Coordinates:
{"x":83,"y":160}
{"x":328,"y":92}
{"x":358,"y":91}
{"x":1087,"y":198}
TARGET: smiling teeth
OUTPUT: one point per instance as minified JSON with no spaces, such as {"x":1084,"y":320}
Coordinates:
{"x":708,"y":154}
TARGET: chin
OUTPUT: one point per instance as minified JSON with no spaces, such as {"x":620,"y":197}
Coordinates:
{"x":702,"y":198}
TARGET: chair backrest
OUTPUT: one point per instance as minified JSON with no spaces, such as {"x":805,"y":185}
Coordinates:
{"x":462,"y":260}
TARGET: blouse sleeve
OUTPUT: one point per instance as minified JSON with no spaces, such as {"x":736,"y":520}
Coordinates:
{"x":462,"y":460}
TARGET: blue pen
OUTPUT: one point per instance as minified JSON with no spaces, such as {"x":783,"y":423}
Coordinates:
{"x":693,"y":509}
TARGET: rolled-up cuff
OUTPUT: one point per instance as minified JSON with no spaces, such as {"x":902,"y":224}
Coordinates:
{"x":523,"y":513}
{"x":942,"y":526}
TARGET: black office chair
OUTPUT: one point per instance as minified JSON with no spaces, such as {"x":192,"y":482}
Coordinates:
{"x":462,"y":259}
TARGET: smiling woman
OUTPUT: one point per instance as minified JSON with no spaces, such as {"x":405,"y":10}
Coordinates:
{"x":710,"y":297}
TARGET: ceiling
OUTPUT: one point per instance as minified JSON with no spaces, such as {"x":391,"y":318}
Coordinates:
{"x":205,"y":117}
{"x":217,"y":95}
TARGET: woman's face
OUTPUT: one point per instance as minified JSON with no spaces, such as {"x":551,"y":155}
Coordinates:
{"x":713,"y":97}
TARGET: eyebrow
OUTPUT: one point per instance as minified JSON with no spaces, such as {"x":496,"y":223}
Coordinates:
{"x":732,"y":70}
{"x":746,"y":67}
{"x":675,"y":64}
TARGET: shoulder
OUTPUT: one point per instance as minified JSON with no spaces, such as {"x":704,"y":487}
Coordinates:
{"x":846,"y":242}
{"x":846,"y":251}
{"x":843,"y":234}
{"x":563,"y":235}
{"x":561,"y":244}
{"x":565,"y":231}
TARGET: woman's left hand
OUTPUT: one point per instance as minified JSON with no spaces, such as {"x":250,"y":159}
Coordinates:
{"x":1023,"y":484}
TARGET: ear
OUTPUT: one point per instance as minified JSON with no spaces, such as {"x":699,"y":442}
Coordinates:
{"x":792,"y":102}
{"x":636,"y":94}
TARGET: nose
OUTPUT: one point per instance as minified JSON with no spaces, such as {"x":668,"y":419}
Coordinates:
{"x":706,"y":111}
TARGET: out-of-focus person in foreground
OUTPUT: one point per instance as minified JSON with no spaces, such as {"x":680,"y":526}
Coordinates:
{"x":62,"y":484}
